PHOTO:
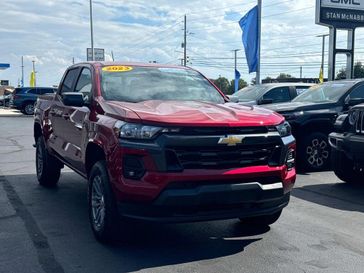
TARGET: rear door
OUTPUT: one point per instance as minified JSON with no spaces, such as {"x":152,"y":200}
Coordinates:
{"x":278,"y":95}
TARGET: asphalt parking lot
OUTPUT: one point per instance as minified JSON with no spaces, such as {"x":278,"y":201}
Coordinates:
{"x":47,"y":230}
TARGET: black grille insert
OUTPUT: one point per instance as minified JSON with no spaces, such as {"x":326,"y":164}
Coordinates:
{"x":225,"y":157}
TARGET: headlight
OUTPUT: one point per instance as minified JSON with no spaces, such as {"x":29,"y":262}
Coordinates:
{"x":284,"y":129}
{"x":354,"y":117}
{"x":139,"y":131}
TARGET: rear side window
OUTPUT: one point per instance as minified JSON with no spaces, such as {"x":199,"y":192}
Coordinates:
{"x":280,"y":94}
{"x":357,"y":93}
{"x":69,"y":80}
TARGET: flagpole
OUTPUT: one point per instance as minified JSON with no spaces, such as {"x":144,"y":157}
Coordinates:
{"x":257,"y":79}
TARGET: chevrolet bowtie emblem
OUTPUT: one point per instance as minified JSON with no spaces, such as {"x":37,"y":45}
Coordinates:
{"x":231,"y":140}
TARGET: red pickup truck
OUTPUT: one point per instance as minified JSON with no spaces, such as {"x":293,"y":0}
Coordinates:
{"x":162,"y":143}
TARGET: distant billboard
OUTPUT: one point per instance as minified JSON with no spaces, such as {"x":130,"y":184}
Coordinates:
{"x":99,"y":54}
{"x":347,"y":14}
{"x":4,"y":82}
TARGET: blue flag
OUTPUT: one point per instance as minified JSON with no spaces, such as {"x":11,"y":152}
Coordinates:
{"x":237,"y":78}
{"x":249,"y":26}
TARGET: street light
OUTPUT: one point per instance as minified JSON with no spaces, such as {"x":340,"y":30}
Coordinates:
{"x":92,"y":33}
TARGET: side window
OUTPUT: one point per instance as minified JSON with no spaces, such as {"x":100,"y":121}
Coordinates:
{"x":279,"y":94}
{"x":84,"y":84}
{"x":46,"y":91}
{"x":301,"y":89}
{"x":69,"y":80}
{"x":357,"y":93}
{"x":33,"y":91}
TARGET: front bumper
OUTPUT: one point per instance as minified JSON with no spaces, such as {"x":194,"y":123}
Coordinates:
{"x":351,"y":144}
{"x":209,"y":202}
{"x":188,"y":178}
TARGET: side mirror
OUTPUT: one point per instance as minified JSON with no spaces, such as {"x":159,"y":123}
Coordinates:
{"x":356,"y":101}
{"x":73,"y":99}
{"x":233,"y":98}
{"x":265,"y":101}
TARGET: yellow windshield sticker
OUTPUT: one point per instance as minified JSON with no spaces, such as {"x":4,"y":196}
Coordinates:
{"x":117,"y":68}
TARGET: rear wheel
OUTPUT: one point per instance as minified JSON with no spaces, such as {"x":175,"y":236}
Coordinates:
{"x":315,"y":152}
{"x":265,"y":220}
{"x":28,"y":108}
{"x":344,"y":168}
{"x":48,"y":167}
{"x":103,"y":213}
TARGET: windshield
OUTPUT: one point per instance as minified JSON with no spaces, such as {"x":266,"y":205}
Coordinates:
{"x":137,"y":84}
{"x":251,"y":92}
{"x":326,"y":92}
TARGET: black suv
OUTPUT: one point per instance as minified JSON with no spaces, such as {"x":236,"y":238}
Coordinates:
{"x":347,"y":145}
{"x":24,"y":98}
{"x":312,"y":116}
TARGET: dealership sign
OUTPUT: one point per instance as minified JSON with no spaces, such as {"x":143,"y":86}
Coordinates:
{"x":347,"y":14}
{"x":99,"y":54}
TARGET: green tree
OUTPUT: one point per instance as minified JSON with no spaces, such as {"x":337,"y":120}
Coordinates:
{"x":231,"y":89}
{"x":358,"y":72}
{"x":284,"y":76}
{"x":223,"y":84}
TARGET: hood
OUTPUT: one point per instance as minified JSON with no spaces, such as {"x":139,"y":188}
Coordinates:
{"x":298,"y":106}
{"x":192,"y":113}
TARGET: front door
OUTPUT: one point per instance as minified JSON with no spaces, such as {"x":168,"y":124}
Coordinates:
{"x":68,"y":122}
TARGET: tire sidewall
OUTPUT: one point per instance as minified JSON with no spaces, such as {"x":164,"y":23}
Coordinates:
{"x":25,"y":109}
{"x":106,"y":232}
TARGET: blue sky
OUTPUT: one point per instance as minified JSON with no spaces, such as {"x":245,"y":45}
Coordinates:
{"x":53,"y":32}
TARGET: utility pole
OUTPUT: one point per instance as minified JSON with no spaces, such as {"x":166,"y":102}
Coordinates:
{"x":73,"y":60}
{"x":257,"y":79}
{"x":112,"y":56}
{"x":301,"y":72}
{"x":323,"y":52}
{"x":35,"y":78}
{"x":236,"y":67}
{"x":92,"y":33}
{"x":185,"y":42}
{"x":22,"y":71}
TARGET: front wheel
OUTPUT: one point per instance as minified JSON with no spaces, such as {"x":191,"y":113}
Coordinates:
{"x":28,"y":109}
{"x":103,"y":213}
{"x":344,"y":168}
{"x":265,"y":220}
{"x":315,"y":152}
{"x":47,"y":166}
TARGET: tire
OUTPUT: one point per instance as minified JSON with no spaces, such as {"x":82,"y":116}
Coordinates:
{"x":262,"y":221}
{"x":103,"y":214}
{"x":48,"y":167}
{"x":314,"y":154}
{"x":344,"y":168}
{"x":28,"y":109}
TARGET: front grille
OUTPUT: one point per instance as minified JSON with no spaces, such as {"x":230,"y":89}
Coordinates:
{"x":202,"y":131}
{"x":226,"y":157}
{"x":359,"y":125}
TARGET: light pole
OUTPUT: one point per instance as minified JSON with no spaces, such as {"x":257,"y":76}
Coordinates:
{"x":92,"y":33}
{"x":236,"y":67}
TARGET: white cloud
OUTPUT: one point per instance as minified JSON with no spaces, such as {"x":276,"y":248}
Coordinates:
{"x":54,"y":32}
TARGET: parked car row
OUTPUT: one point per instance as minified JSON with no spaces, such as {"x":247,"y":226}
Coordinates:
{"x":152,"y":152}
{"x":24,"y":98}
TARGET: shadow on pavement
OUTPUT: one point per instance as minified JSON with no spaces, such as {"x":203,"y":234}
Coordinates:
{"x":61,"y":214}
{"x":340,"y":196}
